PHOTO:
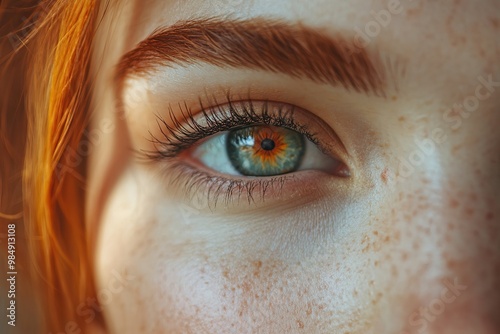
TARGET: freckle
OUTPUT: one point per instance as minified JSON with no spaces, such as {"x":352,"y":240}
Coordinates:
{"x":384,"y":176}
{"x":490,"y":216}
{"x":377,"y":298}
{"x":420,"y":196}
{"x":300,"y":324}
{"x":494,"y":22}
{"x":469,"y":212}
{"x":394,"y":271}
{"x":423,"y":207}
{"x":425,"y":180}
{"x":453,"y":203}
{"x":452,"y":264}
{"x":258,"y":265}
{"x":309,"y":309}
{"x":245,"y":287}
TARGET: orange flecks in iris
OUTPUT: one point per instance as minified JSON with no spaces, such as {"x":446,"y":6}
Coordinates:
{"x":271,"y":157}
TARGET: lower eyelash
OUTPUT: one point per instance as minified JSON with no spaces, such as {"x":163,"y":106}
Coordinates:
{"x":215,"y":189}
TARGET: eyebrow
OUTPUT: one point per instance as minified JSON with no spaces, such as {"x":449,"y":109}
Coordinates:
{"x":260,"y":44}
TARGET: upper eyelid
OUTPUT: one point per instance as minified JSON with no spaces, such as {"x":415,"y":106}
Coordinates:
{"x":215,"y":122}
{"x":184,"y":129}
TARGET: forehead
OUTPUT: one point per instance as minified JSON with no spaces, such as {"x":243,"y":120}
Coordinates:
{"x":455,"y":22}
{"x":457,"y":39}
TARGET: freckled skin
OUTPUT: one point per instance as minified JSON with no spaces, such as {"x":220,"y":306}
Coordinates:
{"x":414,"y":249}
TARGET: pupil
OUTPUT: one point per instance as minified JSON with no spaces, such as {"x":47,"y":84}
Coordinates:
{"x":268,"y":144}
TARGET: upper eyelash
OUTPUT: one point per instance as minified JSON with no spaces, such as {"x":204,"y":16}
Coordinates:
{"x":179,"y":136}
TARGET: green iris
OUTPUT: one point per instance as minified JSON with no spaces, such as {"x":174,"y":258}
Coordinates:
{"x":265,"y":150}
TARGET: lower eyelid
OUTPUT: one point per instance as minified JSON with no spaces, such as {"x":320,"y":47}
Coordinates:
{"x":209,"y":190}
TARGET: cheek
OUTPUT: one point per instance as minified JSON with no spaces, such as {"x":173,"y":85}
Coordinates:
{"x":182,"y":282}
{"x":447,"y":261}
{"x":397,"y":269}
{"x":193,"y":293}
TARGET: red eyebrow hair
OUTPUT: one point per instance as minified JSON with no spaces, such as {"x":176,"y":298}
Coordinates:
{"x":259,"y":44}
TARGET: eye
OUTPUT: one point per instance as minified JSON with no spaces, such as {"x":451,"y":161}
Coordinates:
{"x":262,"y":150}
{"x":245,"y":149}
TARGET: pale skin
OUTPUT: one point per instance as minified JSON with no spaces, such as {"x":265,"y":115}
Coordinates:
{"x":409,"y":243}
